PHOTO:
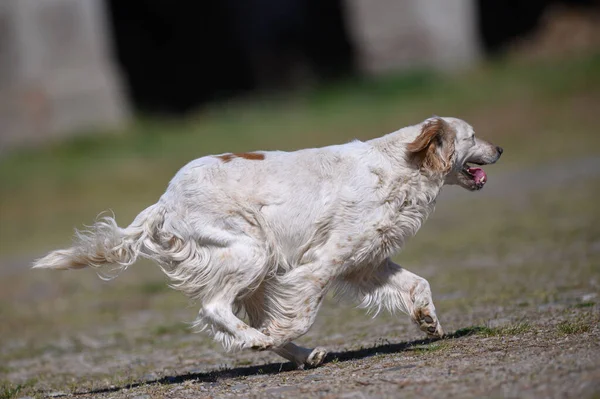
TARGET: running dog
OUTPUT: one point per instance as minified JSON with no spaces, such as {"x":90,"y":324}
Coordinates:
{"x":259,"y":238}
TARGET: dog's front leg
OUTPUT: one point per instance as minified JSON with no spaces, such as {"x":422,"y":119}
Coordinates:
{"x":391,"y":287}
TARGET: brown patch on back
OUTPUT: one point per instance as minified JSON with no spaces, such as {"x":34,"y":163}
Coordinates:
{"x":436,"y":137}
{"x":252,"y":156}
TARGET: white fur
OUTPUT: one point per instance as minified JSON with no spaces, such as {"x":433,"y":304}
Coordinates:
{"x":269,"y":237}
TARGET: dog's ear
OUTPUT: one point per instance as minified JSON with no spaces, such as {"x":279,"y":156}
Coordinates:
{"x":434,"y":146}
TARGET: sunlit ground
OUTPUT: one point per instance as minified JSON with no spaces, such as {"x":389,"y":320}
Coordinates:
{"x":516,"y":264}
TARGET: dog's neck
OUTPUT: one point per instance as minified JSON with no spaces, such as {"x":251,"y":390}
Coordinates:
{"x":407,"y":192}
{"x":404,"y":171}
{"x":393,"y":145}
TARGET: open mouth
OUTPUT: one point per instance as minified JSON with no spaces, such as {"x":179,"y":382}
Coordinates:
{"x":477,"y":175}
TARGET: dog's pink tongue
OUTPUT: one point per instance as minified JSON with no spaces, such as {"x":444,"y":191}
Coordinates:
{"x":479,"y":175}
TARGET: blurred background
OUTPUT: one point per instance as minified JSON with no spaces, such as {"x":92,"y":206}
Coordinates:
{"x":68,"y":66}
{"x":102,"y":101}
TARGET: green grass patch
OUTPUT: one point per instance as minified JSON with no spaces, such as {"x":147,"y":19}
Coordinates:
{"x":513,"y":329}
{"x":8,"y":390}
{"x":584,"y":305}
{"x":569,"y":327}
{"x":467,"y":331}
{"x":430,"y":348}
{"x":486,"y":331}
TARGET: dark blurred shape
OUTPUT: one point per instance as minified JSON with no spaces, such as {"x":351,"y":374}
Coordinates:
{"x":177,"y":55}
{"x":502,"y":21}
{"x":58,"y":75}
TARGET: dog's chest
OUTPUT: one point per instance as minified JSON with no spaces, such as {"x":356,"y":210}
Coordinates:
{"x":401,"y":221}
{"x":388,"y":226}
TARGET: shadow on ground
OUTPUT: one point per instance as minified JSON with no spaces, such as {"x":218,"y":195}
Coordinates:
{"x":275,"y":368}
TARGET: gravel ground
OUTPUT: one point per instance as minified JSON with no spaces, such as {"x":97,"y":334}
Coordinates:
{"x":515,"y":272}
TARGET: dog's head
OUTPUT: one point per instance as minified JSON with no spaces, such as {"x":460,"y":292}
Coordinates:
{"x":447,"y":147}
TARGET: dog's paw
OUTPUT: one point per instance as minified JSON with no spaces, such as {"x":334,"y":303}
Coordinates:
{"x":316,"y":357}
{"x":260,"y":342}
{"x":261,"y":345}
{"x":429,"y":324}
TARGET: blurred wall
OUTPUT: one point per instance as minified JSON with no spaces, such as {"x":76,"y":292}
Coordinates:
{"x":400,"y":34}
{"x":60,"y":60}
{"x":56,"y":74}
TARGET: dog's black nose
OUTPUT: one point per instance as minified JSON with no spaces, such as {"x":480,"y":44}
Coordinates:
{"x":500,"y":150}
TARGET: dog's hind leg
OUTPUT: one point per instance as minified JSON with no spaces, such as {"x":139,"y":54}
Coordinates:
{"x":254,"y":307}
{"x":227,"y":328}
{"x":291,"y":303}
{"x":393,"y":288}
{"x":219,"y":277}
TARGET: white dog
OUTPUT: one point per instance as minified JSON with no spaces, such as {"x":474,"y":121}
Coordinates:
{"x":267,"y":234}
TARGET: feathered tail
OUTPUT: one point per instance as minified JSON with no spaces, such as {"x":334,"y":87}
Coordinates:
{"x":106,"y":244}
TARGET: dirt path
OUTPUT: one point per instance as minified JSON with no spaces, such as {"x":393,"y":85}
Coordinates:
{"x":538,"y":364}
{"x":517,"y":287}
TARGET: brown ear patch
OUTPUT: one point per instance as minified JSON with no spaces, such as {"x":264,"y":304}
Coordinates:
{"x":252,"y":156}
{"x":433,"y":148}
